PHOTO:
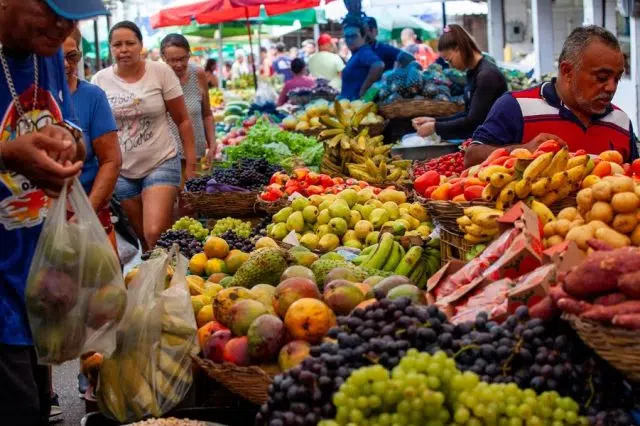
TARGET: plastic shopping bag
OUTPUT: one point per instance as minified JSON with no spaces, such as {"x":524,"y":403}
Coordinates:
{"x":150,"y":371}
{"x":75,"y":294}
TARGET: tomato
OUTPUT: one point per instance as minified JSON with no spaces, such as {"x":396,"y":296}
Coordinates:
{"x":635,"y":167}
{"x":326,"y":181}
{"x":549,"y":146}
{"x":301,"y":173}
{"x":312,"y":178}
{"x":510,"y":163}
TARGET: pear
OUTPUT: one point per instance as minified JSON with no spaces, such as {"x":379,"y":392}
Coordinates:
{"x":323,"y":217}
{"x":396,"y":196}
{"x":323,"y":230}
{"x":349,"y":235}
{"x":372,"y":238}
{"x":279,"y":231}
{"x":299,"y":203}
{"x":418,"y":211}
{"x":328,"y":242}
{"x":353,"y":244}
{"x":295,"y":222}
{"x":339,"y":208}
{"x":310,"y":214}
{"x":310,"y":241}
{"x":354,"y":217}
{"x":282,"y":215}
{"x":350,"y":196}
{"x":365,"y":194}
{"x":324,"y":205}
{"x":423,"y":230}
{"x":366,"y":210}
{"x":358,"y":207}
{"x":379,"y":217}
{"x":413,"y":222}
{"x":374,"y":202}
{"x":392,"y":209}
{"x":338,"y":226}
{"x":363,"y":228}
{"x":316,"y":199}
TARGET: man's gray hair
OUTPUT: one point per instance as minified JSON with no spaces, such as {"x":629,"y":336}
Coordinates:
{"x":581,"y":37}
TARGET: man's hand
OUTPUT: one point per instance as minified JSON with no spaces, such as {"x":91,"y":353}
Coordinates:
{"x":426,"y":129}
{"x":39,"y":158}
{"x":419,"y":121}
{"x":60,"y":133}
{"x":533,"y":145}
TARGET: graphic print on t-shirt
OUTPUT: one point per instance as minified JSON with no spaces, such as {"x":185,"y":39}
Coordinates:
{"x":25,"y":205}
{"x":133,"y":128}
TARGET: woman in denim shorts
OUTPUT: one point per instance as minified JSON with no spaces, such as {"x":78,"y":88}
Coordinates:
{"x":141,"y":93}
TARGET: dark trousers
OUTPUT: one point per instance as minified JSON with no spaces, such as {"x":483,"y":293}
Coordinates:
{"x":25,"y":398}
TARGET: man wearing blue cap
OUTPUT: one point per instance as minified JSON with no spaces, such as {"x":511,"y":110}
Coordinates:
{"x":39,"y":149}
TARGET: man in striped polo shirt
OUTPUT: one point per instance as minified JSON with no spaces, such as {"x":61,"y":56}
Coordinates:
{"x":574,"y":108}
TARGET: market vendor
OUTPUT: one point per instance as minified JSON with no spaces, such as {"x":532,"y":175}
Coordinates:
{"x":388,"y":53}
{"x":575,"y":107}
{"x":485,"y":84}
{"x":300,"y":80}
{"x":364,"y":67}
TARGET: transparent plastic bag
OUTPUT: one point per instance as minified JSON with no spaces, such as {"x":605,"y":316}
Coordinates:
{"x":75,"y":294}
{"x":150,"y":371}
{"x":265,"y":94}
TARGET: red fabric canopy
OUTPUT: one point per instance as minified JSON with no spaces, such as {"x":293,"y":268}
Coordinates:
{"x":220,"y":11}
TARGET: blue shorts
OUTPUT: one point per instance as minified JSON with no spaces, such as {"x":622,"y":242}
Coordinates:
{"x":168,"y":173}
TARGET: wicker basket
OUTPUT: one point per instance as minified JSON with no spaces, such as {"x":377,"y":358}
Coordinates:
{"x":272,"y":207}
{"x":558,"y":206}
{"x":222,"y":204}
{"x":620,"y":347}
{"x":251,"y":382}
{"x":453,"y":246}
{"x":446,"y":213}
{"x":376,"y":129}
{"x":410,"y":108}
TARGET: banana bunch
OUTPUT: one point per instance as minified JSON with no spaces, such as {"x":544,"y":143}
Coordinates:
{"x":149,"y":377}
{"x":479,"y":224}
{"x":417,"y":263}
{"x":343,"y":124}
{"x":548,"y":178}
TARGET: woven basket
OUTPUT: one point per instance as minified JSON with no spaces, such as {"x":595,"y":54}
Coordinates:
{"x":446,"y":213}
{"x":453,"y":246}
{"x":222,"y":204}
{"x":410,"y":108}
{"x":620,"y":347}
{"x":376,"y":129}
{"x":558,"y":206}
{"x":251,"y":382}
{"x":272,"y":207}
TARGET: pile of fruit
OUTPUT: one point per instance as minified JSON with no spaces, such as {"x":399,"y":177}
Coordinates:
{"x":350,"y":151}
{"x":192,"y":225}
{"x":233,"y":113}
{"x":479,"y":224}
{"x":351,"y":218}
{"x":604,"y":288}
{"x":216,"y":98}
{"x":445,"y":165}
{"x":322,"y":90}
{"x":247,"y":173}
{"x":521,"y":370}
{"x":319,"y":114}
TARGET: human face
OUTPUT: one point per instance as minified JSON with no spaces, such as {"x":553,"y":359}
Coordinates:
{"x":594,"y":81}
{"x":40,"y":30}
{"x":177,"y":58}
{"x":71,"y":57}
{"x":125,"y":47}
{"x":454,"y":58}
{"x":353,"y":38}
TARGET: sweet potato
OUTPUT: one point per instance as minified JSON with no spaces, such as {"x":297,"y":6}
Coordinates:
{"x":543,"y":309}
{"x":573,"y":306}
{"x":606,"y":313}
{"x":631,"y":321}
{"x":629,"y":284}
{"x":556,"y":292}
{"x":610,"y":299}
{"x":600,"y":271}
{"x":598,"y":245}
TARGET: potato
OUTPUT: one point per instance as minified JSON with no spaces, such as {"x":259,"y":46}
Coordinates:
{"x":597,"y":224}
{"x":637,"y":191}
{"x":601,"y":191}
{"x":613,"y":238}
{"x":601,"y":211}
{"x":585,"y":200}
{"x":562,"y":227}
{"x":568,"y":213}
{"x":635,"y":236}
{"x":625,"y":202}
{"x":576,"y":223}
{"x":549,"y":229}
{"x":556,"y":239}
{"x":625,"y":222}
{"x":580,"y":235}
{"x":621,"y":184}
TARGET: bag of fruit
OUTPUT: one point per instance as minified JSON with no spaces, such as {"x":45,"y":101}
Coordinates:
{"x":150,"y":371}
{"x":75,"y":294}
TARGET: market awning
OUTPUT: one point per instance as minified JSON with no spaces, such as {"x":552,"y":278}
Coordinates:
{"x":222,"y":11}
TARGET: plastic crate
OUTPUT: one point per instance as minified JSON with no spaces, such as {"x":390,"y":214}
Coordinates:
{"x":221,"y":416}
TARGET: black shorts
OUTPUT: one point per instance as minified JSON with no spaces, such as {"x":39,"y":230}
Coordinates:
{"x":25,"y":395}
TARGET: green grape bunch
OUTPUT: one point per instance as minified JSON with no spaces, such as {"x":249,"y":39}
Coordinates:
{"x":194,"y":227}
{"x":240,"y":228}
{"x":429,"y":390}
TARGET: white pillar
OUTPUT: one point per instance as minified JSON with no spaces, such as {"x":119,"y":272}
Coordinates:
{"x":495,"y":22}
{"x":542,"y":18}
{"x":610,"y":18}
{"x":593,"y":12}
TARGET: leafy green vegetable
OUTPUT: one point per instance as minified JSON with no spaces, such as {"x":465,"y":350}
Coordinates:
{"x":313,"y":154}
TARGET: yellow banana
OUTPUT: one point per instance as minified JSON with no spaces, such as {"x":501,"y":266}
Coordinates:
{"x":499,"y":180}
{"x":542,"y":211}
{"x":549,"y":198}
{"x":110,"y":394}
{"x":382,"y":150}
{"x":488,"y":220}
{"x":361,"y":114}
{"x":476,"y":240}
{"x":464,"y":221}
{"x":334,"y":141}
{"x":558,"y":163}
{"x":479,"y":231}
{"x":331,"y":122}
{"x":330,"y":133}
{"x":382,"y":170}
{"x":361,"y":175}
{"x":576,"y":173}
{"x":376,"y":140}
{"x":486,"y":172}
{"x":539,"y":187}
{"x":508,"y":193}
{"x":371,"y":167}
{"x":345,"y":144}
{"x":558,"y":180}
{"x":357,"y":147}
{"x":566,"y":190}
{"x":340,"y":116}
{"x":475,"y":210}
{"x":523,"y":188}
{"x":490,"y":192}
{"x":403,"y":164}
{"x":537,"y":166}
{"x":394,"y":175}
{"x":580,"y":160}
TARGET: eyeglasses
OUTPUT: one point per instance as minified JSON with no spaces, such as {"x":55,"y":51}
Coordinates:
{"x":73,"y":57}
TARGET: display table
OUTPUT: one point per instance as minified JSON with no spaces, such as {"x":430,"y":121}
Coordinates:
{"x":413,"y":147}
